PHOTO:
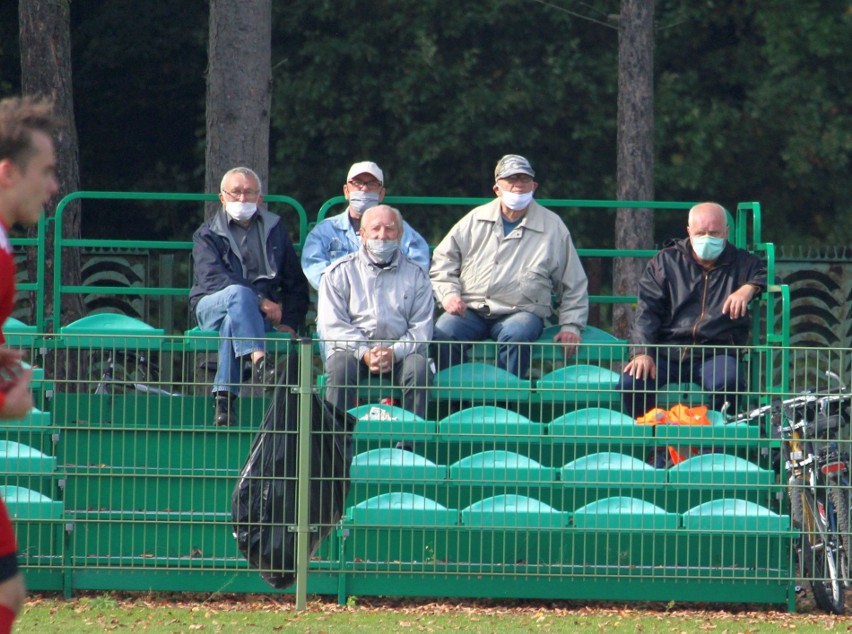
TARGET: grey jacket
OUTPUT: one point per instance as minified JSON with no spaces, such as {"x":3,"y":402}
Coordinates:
{"x":361,"y":305}
{"x":497,"y":275}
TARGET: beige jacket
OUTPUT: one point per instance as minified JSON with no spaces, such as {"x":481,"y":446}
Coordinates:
{"x":497,"y":275}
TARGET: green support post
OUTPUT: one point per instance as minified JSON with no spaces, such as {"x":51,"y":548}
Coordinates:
{"x":303,"y":527}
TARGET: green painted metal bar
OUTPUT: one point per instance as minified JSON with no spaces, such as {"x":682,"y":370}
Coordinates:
{"x":60,"y":242}
{"x":303,"y":527}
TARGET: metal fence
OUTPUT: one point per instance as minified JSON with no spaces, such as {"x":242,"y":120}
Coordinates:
{"x":533,"y":487}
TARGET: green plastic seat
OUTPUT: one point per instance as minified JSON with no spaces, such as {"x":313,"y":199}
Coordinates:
{"x":621,"y":512}
{"x":583,"y":385}
{"x":111,"y":330}
{"x":734,"y":515}
{"x":593,"y":423}
{"x":402,"y":509}
{"x":25,"y":504}
{"x":718,"y":469}
{"x":18,"y":334}
{"x":498,"y":468}
{"x":395,"y":466}
{"x":480,"y":382}
{"x":596,"y":346}
{"x":18,"y":458}
{"x":672,"y":394}
{"x":382,"y":422}
{"x":198,"y":340}
{"x":607,"y":468}
{"x":513,"y":511}
{"x":489,"y":422}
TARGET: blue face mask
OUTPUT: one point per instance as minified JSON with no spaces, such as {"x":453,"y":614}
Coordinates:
{"x":708,"y":248}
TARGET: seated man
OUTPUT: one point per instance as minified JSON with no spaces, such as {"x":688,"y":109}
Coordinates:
{"x":247,"y":281}
{"x":374,"y":314}
{"x":497,"y":269}
{"x":692,"y":293}
{"x":337,"y":236}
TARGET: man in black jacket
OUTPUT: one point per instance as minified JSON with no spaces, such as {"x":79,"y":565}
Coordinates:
{"x":247,"y":281}
{"x":692,"y":296}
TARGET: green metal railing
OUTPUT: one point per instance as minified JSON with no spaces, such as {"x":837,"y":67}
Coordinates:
{"x":135,"y":483}
{"x":509,"y":487}
{"x":62,"y":242}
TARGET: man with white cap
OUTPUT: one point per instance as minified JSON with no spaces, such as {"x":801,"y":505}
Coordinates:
{"x":337,"y":236}
{"x":496,"y":271}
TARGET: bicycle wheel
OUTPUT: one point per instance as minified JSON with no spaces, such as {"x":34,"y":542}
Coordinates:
{"x":819,"y":559}
{"x":840,"y":501}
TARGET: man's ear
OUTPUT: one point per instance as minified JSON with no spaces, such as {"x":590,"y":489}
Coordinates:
{"x":8,"y":171}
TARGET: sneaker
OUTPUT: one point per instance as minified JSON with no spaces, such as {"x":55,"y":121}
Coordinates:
{"x":263,"y":373}
{"x":226,"y":412}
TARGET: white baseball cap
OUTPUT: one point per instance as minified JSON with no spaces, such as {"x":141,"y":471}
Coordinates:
{"x":366,"y":167}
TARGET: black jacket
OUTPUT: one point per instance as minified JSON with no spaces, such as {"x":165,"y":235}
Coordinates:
{"x":217,"y":265}
{"x":680,"y":302}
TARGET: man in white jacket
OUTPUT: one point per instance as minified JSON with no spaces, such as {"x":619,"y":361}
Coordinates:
{"x":374,"y":315}
{"x":496,"y":271}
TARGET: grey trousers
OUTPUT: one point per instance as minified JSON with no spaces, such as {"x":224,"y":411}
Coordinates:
{"x":344,"y":372}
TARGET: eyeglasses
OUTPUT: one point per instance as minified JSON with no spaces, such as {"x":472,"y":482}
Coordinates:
{"x":523,"y":179}
{"x":357,"y":182}
{"x":248,"y":193}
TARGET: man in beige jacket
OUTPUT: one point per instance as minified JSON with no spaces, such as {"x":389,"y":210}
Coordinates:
{"x":497,"y":270}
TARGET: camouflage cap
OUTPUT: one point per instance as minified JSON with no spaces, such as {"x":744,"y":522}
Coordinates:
{"x":512,"y":164}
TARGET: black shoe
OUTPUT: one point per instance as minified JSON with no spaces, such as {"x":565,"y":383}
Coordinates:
{"x":263,"y":373}
{"x":226,"y":411}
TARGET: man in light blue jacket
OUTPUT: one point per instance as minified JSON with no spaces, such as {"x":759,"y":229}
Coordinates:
{"x":374,"y":315}
{"x":337,"y":236}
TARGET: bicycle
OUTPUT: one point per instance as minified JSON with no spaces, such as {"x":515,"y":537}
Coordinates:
{"x":809,"y":426}
{"x":130,"y":370}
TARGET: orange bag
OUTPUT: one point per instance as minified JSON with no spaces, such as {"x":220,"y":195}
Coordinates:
{"x":680,"y":414}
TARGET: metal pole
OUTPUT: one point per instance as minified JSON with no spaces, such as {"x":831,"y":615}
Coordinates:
{"x":303,"y":474}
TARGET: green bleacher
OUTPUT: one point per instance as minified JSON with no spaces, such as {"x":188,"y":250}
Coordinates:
{"x":521,"y":488}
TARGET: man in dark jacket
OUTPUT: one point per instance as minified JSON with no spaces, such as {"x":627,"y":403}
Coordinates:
{"x":692,"y":296}
{"x":247,"y":281}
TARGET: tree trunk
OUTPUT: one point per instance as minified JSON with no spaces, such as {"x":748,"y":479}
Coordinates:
{"x":239,"y":90}
{"x":46,"y":71}
{"x":634,"y":228}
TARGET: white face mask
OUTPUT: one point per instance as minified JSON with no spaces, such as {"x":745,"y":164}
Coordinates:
{"x":382,"y":250}
{"x":516,"y":201}
{"x":240,"y":211}
{"x":361,"y":201}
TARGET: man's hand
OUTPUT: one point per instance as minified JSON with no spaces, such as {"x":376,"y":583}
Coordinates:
{"x":454,"y":305}
{"x":379,"y":359}
{"x":19,"y":398}
{"x":10,"y":357}
{"x":641,"y":367}
{"x":569,"y":341}
{"x":271,"y":310}
{"x":736,"y":304}
{"x":287,"y":329}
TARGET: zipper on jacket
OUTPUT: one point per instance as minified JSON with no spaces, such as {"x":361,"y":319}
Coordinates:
{"x":701,"y":314}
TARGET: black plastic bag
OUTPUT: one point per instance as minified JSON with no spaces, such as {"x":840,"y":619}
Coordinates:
{"x":264,"y":502}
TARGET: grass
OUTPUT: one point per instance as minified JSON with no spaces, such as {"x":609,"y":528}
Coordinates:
{"x":186,"y":613}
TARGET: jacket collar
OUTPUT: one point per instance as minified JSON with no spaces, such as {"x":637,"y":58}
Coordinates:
{"x":219,"y":222}
{"x":532,"y":220}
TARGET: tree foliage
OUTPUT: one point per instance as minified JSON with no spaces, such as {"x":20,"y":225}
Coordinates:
{"x":751,"y":102}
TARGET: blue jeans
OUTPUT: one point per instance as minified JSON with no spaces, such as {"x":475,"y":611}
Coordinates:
{"x":717,"y":373}
{"x":235,"y":313}
{"x":518,"y":327}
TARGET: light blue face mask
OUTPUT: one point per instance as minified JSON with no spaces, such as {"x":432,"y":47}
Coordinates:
{"x":708,"y":248}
